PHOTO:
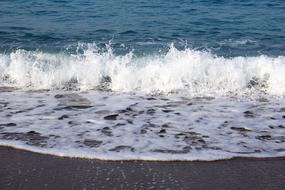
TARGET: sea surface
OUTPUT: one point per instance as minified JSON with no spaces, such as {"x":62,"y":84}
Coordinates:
{"x":143,"y":80}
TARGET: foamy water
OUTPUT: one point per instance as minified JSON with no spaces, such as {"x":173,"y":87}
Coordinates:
{"x":115,"y":126}
{"x":179,"y":105}
{"x":188,"y":71}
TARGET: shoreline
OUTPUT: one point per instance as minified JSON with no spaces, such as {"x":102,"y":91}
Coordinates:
{"x":140,"y":160}
{"x":20,"y":169}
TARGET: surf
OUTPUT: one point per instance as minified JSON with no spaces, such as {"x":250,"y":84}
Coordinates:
{"x":185,"y":71}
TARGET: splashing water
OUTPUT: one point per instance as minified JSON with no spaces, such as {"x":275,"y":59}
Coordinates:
{"x":187,"y":71}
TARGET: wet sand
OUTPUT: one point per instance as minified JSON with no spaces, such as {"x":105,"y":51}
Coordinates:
{"x":26,"y":170}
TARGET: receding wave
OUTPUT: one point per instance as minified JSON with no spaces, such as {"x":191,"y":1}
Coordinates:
{"x":189,"y":71}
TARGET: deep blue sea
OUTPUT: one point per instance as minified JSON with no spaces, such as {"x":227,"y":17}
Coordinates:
{"x":143,"y":80}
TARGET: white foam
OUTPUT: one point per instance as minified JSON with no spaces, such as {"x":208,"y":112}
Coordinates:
{"x":195,"y":128}
{"x":189,"y":71}
{"x":237,"y":43}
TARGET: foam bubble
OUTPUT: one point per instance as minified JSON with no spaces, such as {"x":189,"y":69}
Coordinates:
{"x":112,"y":126}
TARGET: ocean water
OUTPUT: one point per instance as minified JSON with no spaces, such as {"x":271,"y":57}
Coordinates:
{"x":143,"y":80}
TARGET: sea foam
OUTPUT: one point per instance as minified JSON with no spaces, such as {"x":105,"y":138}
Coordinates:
{"x":110,"y":126}
{"x":189,"y":71}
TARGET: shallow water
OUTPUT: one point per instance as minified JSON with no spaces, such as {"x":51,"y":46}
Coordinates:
{"x":115,"y":126}
{"x":179,"y":80}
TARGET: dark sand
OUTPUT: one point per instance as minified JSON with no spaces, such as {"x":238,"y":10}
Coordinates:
{"x":25,"y":170}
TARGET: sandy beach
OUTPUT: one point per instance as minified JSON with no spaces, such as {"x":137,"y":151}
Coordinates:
{"x":26,"y":170}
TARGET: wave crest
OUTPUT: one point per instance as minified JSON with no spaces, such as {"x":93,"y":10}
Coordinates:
{"x":188,"y":71}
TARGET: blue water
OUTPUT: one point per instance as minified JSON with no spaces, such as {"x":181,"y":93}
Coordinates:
{"x":223,"y":27}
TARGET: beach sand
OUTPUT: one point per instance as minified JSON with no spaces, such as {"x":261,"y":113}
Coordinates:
{"x":32,"y":171}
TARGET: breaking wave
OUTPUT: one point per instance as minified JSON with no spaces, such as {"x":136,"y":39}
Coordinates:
{"x":188,"y":71}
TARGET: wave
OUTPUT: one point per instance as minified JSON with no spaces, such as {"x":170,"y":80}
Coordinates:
{"x":188,"y":71}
